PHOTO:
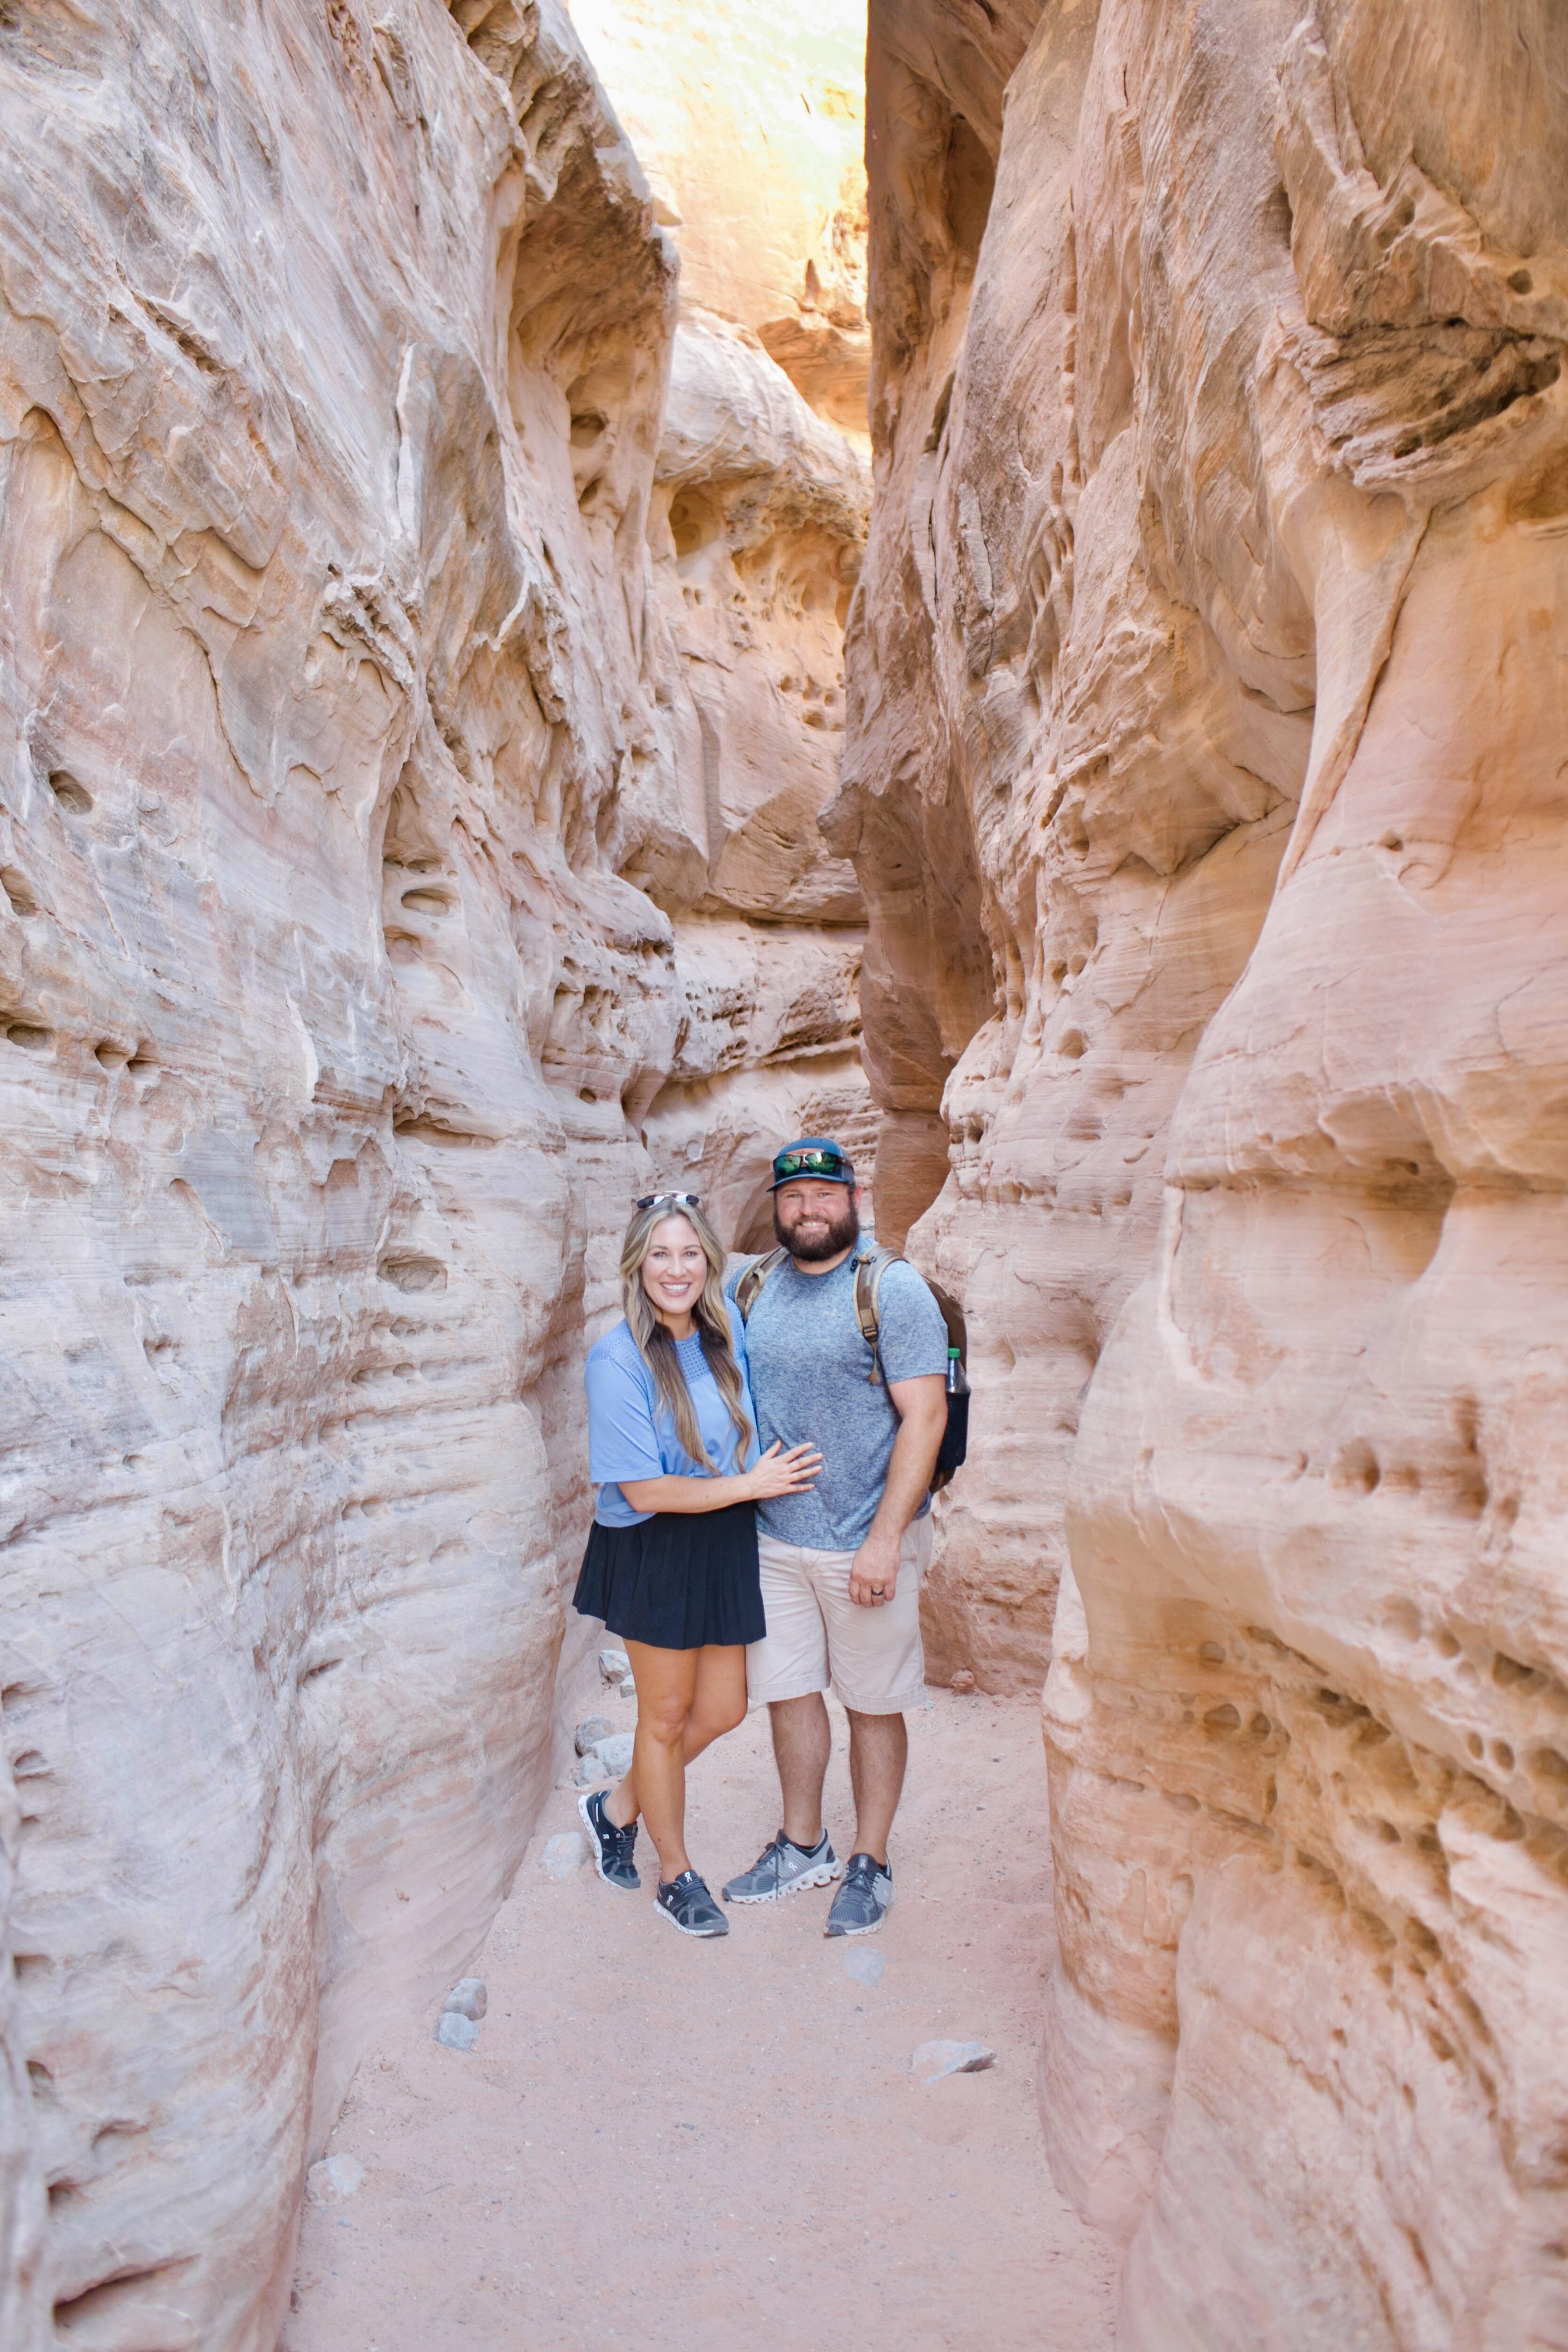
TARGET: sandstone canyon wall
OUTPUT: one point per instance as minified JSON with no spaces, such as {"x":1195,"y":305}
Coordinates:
{"x":1204,"y":774}
{"x":373,"y":856}
{"x":749,"y":119}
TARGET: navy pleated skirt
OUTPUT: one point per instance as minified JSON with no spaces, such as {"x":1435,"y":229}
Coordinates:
{"x":678,"y":1580}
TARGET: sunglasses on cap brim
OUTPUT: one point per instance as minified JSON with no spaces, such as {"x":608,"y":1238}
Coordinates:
{"x":671,"y":1200}
{"x":831,"y":1164}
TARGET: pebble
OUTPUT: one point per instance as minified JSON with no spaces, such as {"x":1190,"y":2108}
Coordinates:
{"x":866,"y":1967}
{"x":607,"y":1760}
{"x":334,"y":2177}
{"x":563,"y":1854}
{"x":934,"y":2059}
{"x":629,"y":1685}
{"x":457,"y":2032}
{"x":614,"y":1665}
{"x":468,"y":1998}
{"x":589,"y":1733}
{"x":963,"y":1682}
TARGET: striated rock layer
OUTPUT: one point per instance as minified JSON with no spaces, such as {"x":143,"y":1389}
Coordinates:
{"x":373,"y":855}
{"x":750,"y":123}
{"x":1202,"y":775}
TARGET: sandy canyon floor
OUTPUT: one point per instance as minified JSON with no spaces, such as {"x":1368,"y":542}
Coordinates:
{"x":660,"y":2143}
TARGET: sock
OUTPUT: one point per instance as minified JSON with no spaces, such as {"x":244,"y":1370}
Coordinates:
{"x":804,"y":1849}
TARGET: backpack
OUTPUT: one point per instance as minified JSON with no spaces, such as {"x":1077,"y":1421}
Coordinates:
{"x":870,"y":1265}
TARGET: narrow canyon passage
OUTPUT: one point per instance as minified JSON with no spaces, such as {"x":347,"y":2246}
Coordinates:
{"x":686,"y":2147}
{"x":587,"y":586}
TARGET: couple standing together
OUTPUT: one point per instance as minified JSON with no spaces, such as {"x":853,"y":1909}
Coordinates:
{"x":764,"y":1469}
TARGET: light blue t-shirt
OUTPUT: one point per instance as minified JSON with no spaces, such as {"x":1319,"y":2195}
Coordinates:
{"x":809,"y":1368}
{"x":632,"y":1435}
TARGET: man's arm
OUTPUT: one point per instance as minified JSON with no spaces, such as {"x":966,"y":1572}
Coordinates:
{"x":921,"y":1406}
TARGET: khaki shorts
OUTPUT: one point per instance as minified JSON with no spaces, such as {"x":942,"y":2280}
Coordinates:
{"x":817,"y":1635}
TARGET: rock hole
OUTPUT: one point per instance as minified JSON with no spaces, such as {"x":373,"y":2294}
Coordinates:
{"x":1502,"y":1755}
{"x":1447,"y":1646}
{"x":1355,"y":1469}
{"x":112,"y":1054}
{"x":1547,"y":1764}
{"x":140,"y":1065}
{"x":1476,"y":1744}
{"x":103,"y":2312}
{"x":410,"y":1274}
{"x":19,"y":891}
{"x":1507,"y":1673}
{"x":74,"y":798}
{"x":30,"y":1037}
{"x":428,"y":902}
{"x":1520,"y":281}
{"x":1072,"y":1044}
{"x":1212,"y":1653}
{"x":1223,"y":1718}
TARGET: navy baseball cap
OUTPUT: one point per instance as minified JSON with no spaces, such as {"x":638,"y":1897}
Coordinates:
{"x":815,"y":1156}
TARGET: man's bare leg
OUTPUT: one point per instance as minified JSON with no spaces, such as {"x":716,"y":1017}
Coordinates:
{"x":803,"y":1742}
{"x":878,"y":1752}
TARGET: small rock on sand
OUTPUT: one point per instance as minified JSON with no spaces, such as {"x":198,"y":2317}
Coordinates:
{"x":866,"y":1967}
{"x":612,"y":1664}
{"x":588,"y":1735}
{"x":457,"y":2032}
{"x":563,"y":1854}
{"x":629,"y":1685}
{"x":607,"y":1760}
{"x":334,"y":2177}
{"x":934,"y":2059}
{"x":468,"y":1998}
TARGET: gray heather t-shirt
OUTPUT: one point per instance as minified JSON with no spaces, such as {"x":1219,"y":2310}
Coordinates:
{"x":809,"y":1366}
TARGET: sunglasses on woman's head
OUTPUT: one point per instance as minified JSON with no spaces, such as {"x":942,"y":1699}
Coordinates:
{"x":676,"y":1199}
{"x":811,"y":1163}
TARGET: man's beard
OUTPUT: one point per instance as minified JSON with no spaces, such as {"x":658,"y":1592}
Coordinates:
{"x":841,"y":1234}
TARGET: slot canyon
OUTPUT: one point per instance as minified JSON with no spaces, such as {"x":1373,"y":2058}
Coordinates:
{"x":587,"y":588}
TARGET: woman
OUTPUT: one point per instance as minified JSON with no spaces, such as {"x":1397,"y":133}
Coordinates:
{"x":671,"y":1564}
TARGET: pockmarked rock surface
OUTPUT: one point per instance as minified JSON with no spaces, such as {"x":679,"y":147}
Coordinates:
{"x":370,"y":864}
{"x":1202,"y":774}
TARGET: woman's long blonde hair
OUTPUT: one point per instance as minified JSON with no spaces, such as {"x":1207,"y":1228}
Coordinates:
{"x":709,"y":1315}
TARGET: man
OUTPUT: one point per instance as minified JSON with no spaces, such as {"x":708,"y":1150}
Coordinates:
{"x":841,"y":1564}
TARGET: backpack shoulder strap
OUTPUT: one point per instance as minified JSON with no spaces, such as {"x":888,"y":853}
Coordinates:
{"x":869,"y":1268}
{"x":750,"y":1284}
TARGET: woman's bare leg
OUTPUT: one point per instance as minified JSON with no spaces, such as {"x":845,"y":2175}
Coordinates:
{"x":714,"y":1687}
{"x":656,"y":1785}
{"x":719,"y":1703}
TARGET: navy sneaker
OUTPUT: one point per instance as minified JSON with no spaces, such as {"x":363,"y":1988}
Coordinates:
{"x":613,"y":1848}
{"x":784,"y":1868}
{"x":862,"y":1902}
{"x":686,"y":1905}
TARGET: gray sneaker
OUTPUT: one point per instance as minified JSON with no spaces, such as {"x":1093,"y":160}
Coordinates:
{"x":862,"y":1902}
{"x":782,"y":1869}
{"x":613,"y":1848}
{"x":686,"y":1905}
